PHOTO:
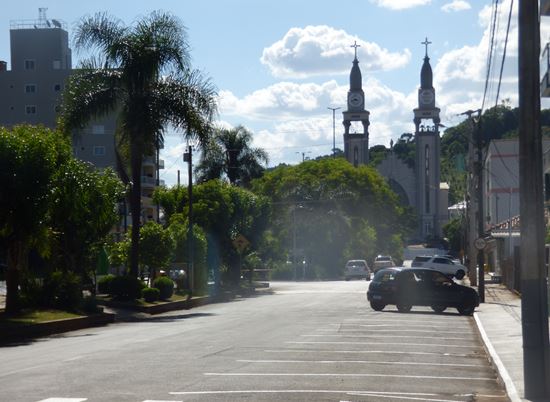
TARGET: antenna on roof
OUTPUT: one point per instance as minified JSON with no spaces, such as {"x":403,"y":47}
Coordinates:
{"x":42,"y":13}
{"x":56,"y":23}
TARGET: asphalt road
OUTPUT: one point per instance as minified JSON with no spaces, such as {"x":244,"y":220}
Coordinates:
{"x":306,"y":341}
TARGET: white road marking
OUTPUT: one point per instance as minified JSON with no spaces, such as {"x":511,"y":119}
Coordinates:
{"x":64,"y":400}
{"x":336,"y":375}
{"x":387,"y":336}
{"x":154,"y":400}
{"x":396,"y":395}
{"x":362,"y":351}
{"x":361,"y":362}
{"x":386,"y":343}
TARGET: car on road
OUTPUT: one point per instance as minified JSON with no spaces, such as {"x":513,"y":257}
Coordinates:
{"x":382,"y":261}
{"x":357,"y":269}
{"x":441,"y":264}
{"x":408,"y":287}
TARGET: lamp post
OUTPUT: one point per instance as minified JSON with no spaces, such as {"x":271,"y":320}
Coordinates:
{"x":334,"y":109}
{"x":188,"y":157}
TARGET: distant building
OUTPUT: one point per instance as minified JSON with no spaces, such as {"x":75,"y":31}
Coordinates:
{"x":41,"y":63}
{"x":418,"y":187}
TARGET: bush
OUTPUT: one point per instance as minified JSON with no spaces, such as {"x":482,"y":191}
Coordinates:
{"x":89,"y":305}
{"x":165,"y":285}
{"x":126,"y":287}
{"x":63,"y":290}
{"x":104,"y":284}
{"x":150,"y":294}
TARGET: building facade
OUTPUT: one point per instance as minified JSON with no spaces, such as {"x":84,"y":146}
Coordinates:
{"x":41,"y":63}
{"x":417,"y":186}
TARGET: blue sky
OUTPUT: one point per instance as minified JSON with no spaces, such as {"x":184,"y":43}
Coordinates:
{"x":278,"y":65}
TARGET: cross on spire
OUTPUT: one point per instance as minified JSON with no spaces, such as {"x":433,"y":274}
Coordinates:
{"x":426,"y":43}
{"x":355,"y":45}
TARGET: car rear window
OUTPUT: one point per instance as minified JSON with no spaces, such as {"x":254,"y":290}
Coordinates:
{"x":421,"y":259}
{"x":357,"y":263}
{"x":385,"y":276}
{"x":383,"y":258}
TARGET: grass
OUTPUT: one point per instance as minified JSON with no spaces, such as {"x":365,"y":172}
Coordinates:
{"x":29,"y":317}
{"x":140,"y":302}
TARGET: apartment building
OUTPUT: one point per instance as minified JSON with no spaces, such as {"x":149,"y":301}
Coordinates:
{"x":40,"y":64}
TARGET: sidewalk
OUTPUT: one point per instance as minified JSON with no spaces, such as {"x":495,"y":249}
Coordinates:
{"x":499,"y":322}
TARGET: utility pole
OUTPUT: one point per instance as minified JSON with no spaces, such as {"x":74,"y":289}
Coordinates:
{"x":303,"y":154}
{"x":534,"y":307}
{"x":479,"y":243}
{"x":188,"y":157}
{"x":334,"y":109}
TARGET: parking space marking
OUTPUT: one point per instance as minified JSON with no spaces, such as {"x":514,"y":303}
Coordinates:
{"x":385,"y":336}
{"x":361,"y":362}
{"x":359,"y":375}
{"x":64,"y":400}
{"x":399,"y":395}
{"x":383,"y":343}
{"x":365,"y":351}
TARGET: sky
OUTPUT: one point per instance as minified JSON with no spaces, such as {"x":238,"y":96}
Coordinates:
{"x":279,"y":65}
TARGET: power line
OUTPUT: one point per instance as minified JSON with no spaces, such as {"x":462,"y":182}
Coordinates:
{"x":504,"y":51}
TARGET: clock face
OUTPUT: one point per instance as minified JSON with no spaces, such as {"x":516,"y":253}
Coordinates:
{"x":426,"y":97}
{"x":355,"y":100}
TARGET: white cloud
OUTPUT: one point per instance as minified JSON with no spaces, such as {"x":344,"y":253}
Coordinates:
{"x":400,"y":4}
{"x":322,"y":50}
{"x":456,"y":5}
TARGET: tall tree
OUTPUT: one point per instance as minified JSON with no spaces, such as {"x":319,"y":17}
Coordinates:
{"x":229,"y":154}
{"x":29,"y":158}
{"x":143,"y":74}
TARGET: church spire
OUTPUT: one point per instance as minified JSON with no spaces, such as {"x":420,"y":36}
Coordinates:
{"x":355,"y":79}
{"x":426,"y":75}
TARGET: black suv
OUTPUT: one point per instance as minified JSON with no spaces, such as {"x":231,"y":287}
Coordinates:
{"x":407,"y":287}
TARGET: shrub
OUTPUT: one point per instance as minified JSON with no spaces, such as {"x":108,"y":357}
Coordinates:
{"x":165,"y":285}
{"x":89,"y":305}
{"x":104,"y":284}
{"x":63,"y":290}
{"x":126,"y":287}
{"x":150,"y":294}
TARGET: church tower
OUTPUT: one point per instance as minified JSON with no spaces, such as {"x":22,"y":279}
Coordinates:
{"x":356,"y":145}
{"x":427,"y":123}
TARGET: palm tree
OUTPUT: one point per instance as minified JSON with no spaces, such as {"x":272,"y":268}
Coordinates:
{"x":142,"y":73}
{"x":228,"y":153}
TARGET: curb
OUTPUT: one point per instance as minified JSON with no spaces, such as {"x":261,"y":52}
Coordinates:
{"x":503,"y":375}
{"x":56,"y":327}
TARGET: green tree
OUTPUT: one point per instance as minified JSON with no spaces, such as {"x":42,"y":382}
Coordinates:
{"x":143,"y":74}
{"x":228,"y":154}
{"x":83,"y":212}
{"x":331,"y":212}
{"x":156,"y":248}
{"x":29,"y":158}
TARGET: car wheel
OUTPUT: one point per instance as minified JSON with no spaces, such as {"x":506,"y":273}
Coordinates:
{"x":466,"y":308}
{"x":403,"y":308}
{"x":438,"y":308}
{"x":460,"y":274}
{"x":377,"y":306}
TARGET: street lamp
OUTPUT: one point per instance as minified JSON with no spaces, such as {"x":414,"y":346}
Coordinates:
{"x":334,"y":109}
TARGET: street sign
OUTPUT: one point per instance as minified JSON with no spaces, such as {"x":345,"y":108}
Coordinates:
{"x":480,"y":243}
{"x":241,"y":243}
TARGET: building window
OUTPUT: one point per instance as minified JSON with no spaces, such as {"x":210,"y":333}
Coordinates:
{"x":99,"y":151}
{"x":56,"y":64}
{"x":30,"y":109}
{"x":30,"y":89}
{"x":29,"y":64}
{"x":98,"y":129}
{"x":57,"y":87}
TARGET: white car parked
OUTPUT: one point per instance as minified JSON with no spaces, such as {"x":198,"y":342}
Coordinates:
{"x":357,"y":269}
{"x":441,"y":264}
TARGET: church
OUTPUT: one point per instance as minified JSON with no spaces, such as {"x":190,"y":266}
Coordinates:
{"x":417,"y":186}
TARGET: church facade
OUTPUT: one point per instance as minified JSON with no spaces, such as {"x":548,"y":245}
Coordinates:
{"x":417,"y":186}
